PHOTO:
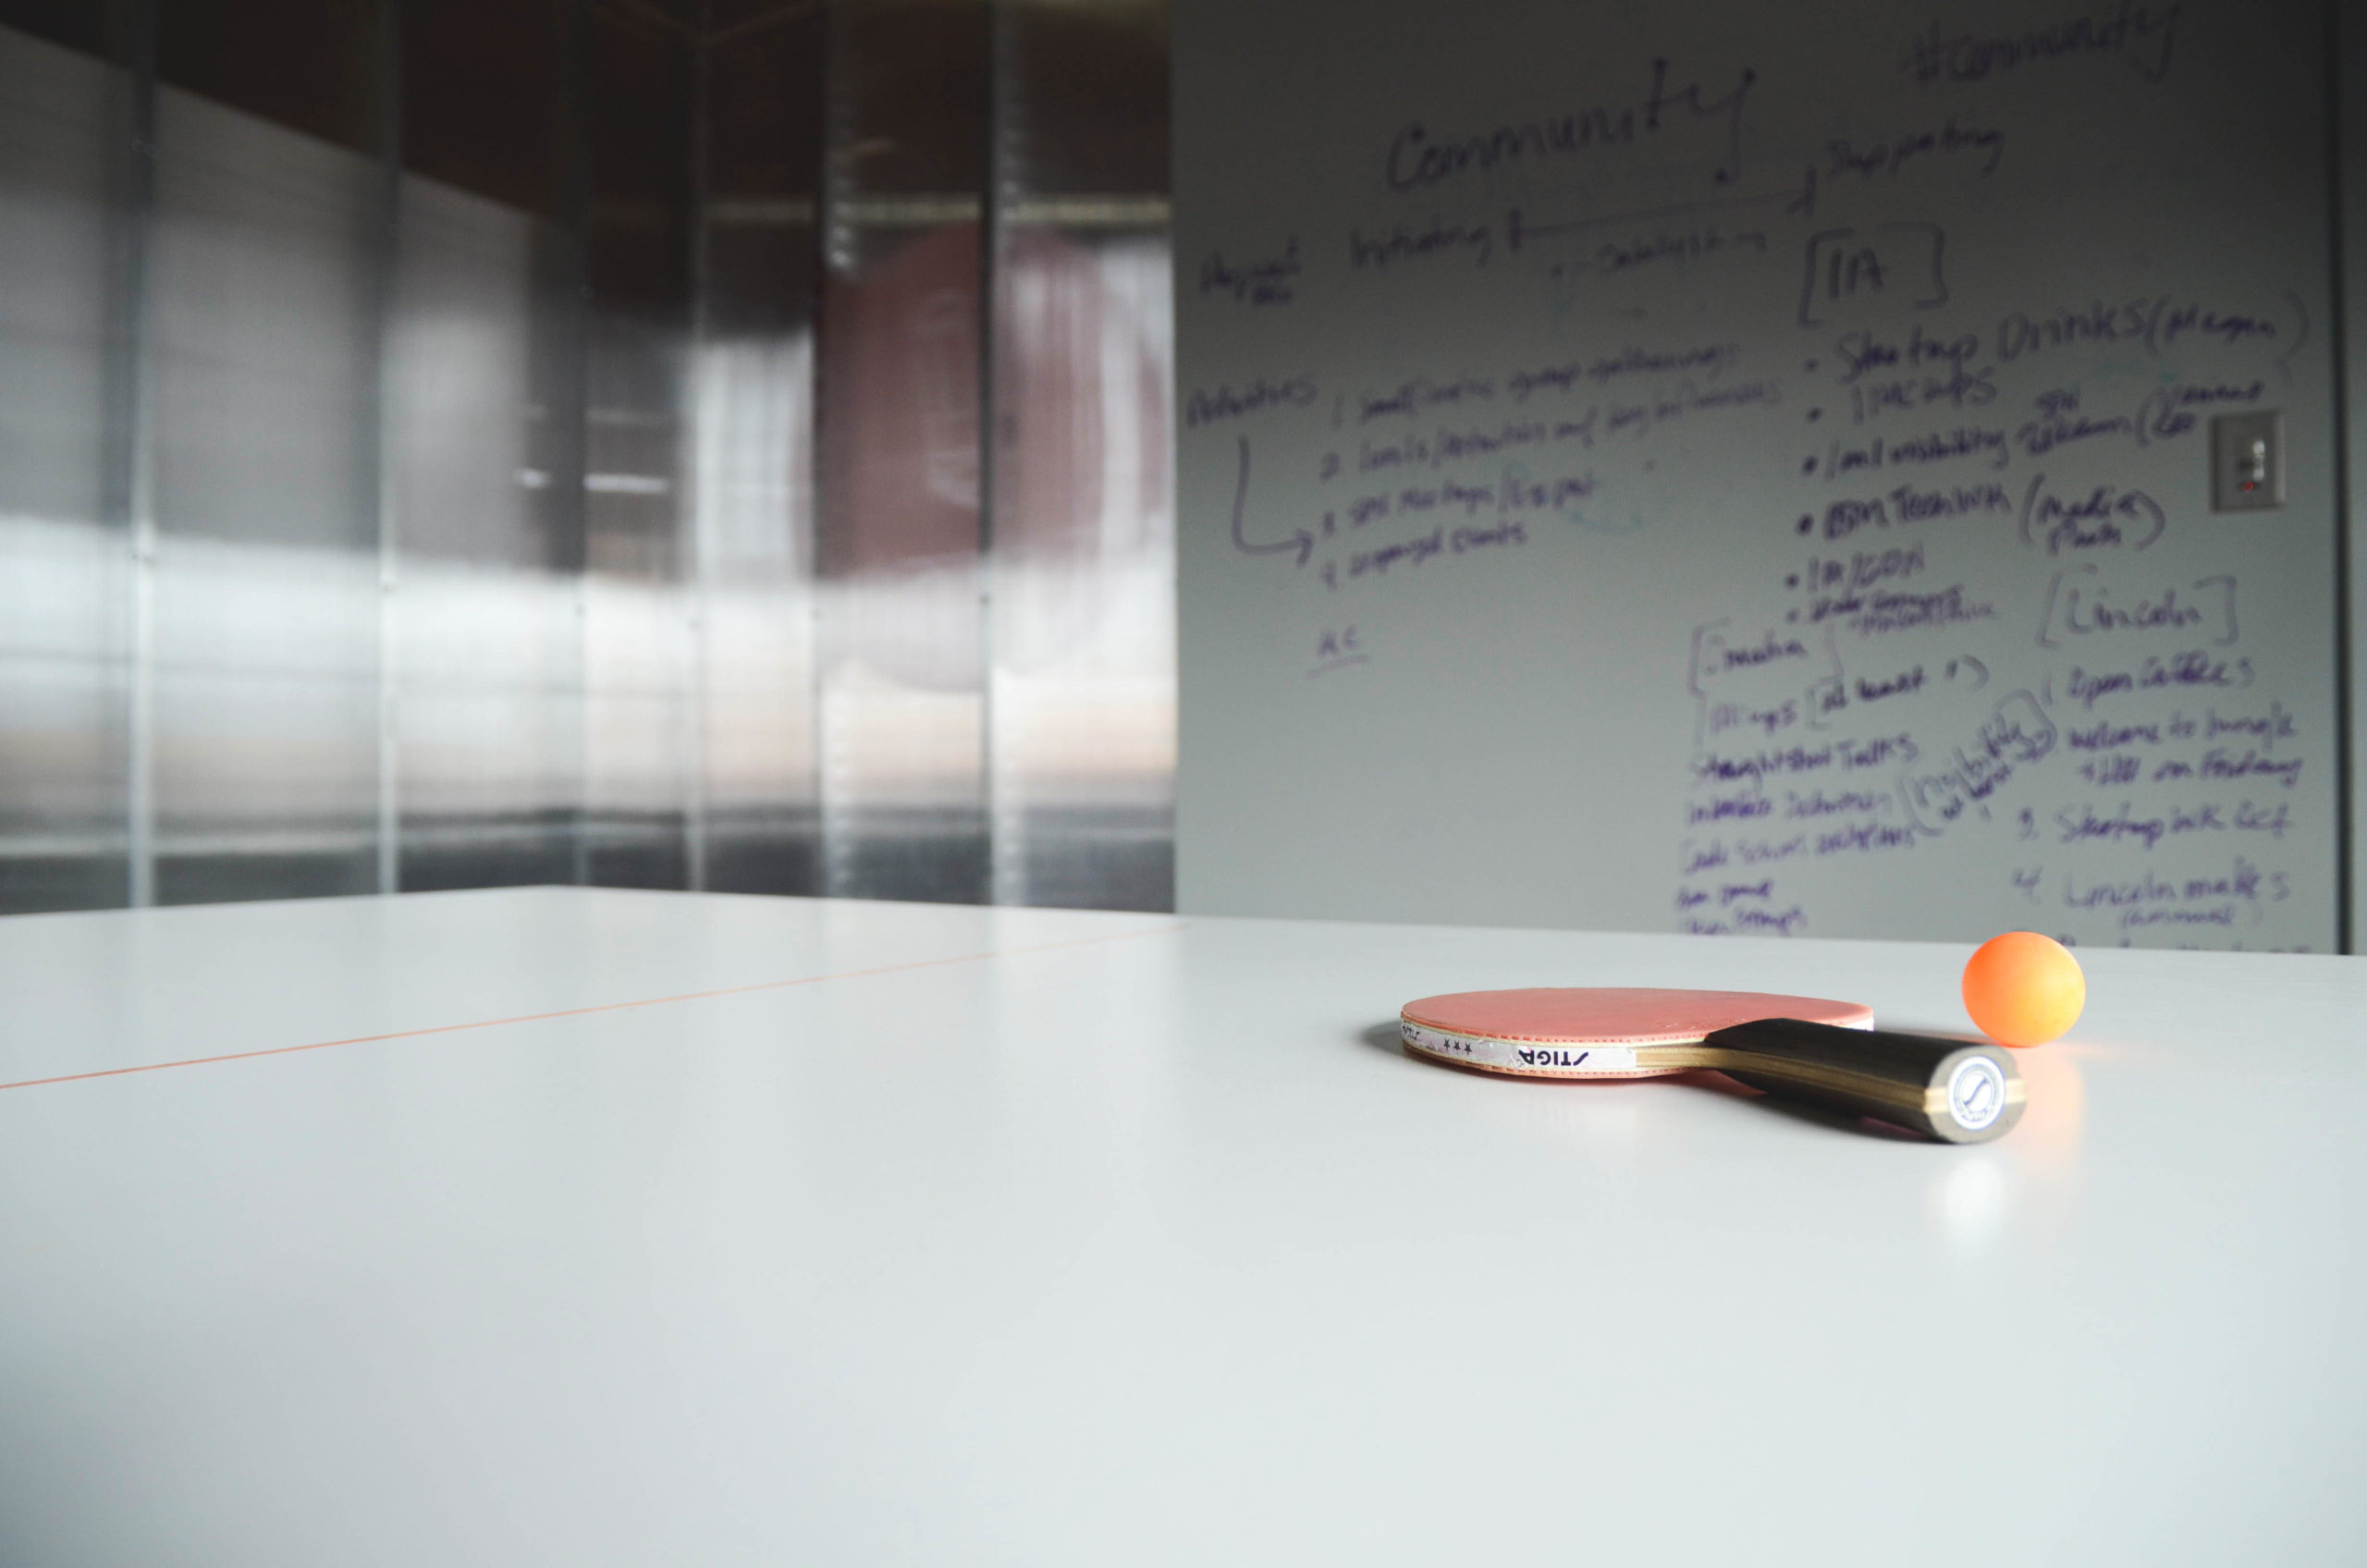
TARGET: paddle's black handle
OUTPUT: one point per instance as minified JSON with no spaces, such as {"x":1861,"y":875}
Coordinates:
{"x":1947,"y":1089}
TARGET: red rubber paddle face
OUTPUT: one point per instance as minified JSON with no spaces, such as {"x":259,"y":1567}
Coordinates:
{"x":1593,"y":1032}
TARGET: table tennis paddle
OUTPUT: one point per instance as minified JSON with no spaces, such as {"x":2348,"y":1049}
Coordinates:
{"x":1806,"y":1049}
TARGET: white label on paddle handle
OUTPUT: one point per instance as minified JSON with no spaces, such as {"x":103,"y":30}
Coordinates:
{"x":1518,"y":1056}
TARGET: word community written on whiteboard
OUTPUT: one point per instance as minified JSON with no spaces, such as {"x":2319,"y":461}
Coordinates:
{"x":1747,"y":469}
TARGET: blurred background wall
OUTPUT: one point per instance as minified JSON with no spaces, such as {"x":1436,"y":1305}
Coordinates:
{"x":707,"y":444}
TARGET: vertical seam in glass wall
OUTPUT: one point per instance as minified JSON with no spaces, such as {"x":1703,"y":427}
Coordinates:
{"x":835,"y":240}
{"x":574,"y":418}
{"x":694,"y":506}
{"x":1001,"y":887}
{"x":129,"y":473}
{"x":2345,"y":824}
{"x":384,"y":261}
{"x":808,"y":562}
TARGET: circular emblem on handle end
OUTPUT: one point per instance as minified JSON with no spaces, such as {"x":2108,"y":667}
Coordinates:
{"x":1975,"y":1093}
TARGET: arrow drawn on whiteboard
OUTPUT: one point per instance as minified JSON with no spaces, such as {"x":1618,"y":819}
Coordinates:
{"x":1301,"y":540}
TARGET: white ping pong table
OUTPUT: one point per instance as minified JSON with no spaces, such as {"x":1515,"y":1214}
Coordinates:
{"x":583,"y":1226}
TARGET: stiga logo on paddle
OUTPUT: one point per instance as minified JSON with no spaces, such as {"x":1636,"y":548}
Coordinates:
{"x":1515,"y":1056}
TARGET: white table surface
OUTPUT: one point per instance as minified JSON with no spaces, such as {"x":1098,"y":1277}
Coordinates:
{"x":1033,"y":1237}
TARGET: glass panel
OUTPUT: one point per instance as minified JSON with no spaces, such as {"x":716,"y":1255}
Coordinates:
{"x":640,"y":737}
{"x":63,"y":586}
{"x":1082,"y":756}
{"x":266,"y":284}
{"x":754,"y":479}
{"x":486,"y":638}
{"x":487,"y":449}
{"x":903,"y":681}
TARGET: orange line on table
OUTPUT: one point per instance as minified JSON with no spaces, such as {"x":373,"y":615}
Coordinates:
{"x":597,"y":1007}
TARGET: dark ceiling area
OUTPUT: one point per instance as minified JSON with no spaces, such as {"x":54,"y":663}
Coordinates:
{"x":476,"y":93}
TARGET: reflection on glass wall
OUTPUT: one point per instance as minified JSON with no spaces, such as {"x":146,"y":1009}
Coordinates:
{"x":666,"y":443}
{"x":1082,"y":685}
{"x":902,"y":717}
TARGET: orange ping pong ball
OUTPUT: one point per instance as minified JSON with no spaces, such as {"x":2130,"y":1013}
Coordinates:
{"x":2024,"y":989}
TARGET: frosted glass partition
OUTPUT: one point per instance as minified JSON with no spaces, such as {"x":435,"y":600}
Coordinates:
{"x":488,"y":645}
{"x":263,"y":624}
{"x":902,"y":699}
{"x":1081,"y":762}
{"x":1083,"y":759}
{"x":753,"y":389}
{"x":474,"y":442}
{"x":64,"y":560}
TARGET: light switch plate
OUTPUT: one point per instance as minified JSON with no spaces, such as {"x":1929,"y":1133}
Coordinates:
{"x":2248,"y":461}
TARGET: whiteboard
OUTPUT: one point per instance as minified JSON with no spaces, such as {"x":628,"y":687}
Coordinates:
{"x":1745,"y":469}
